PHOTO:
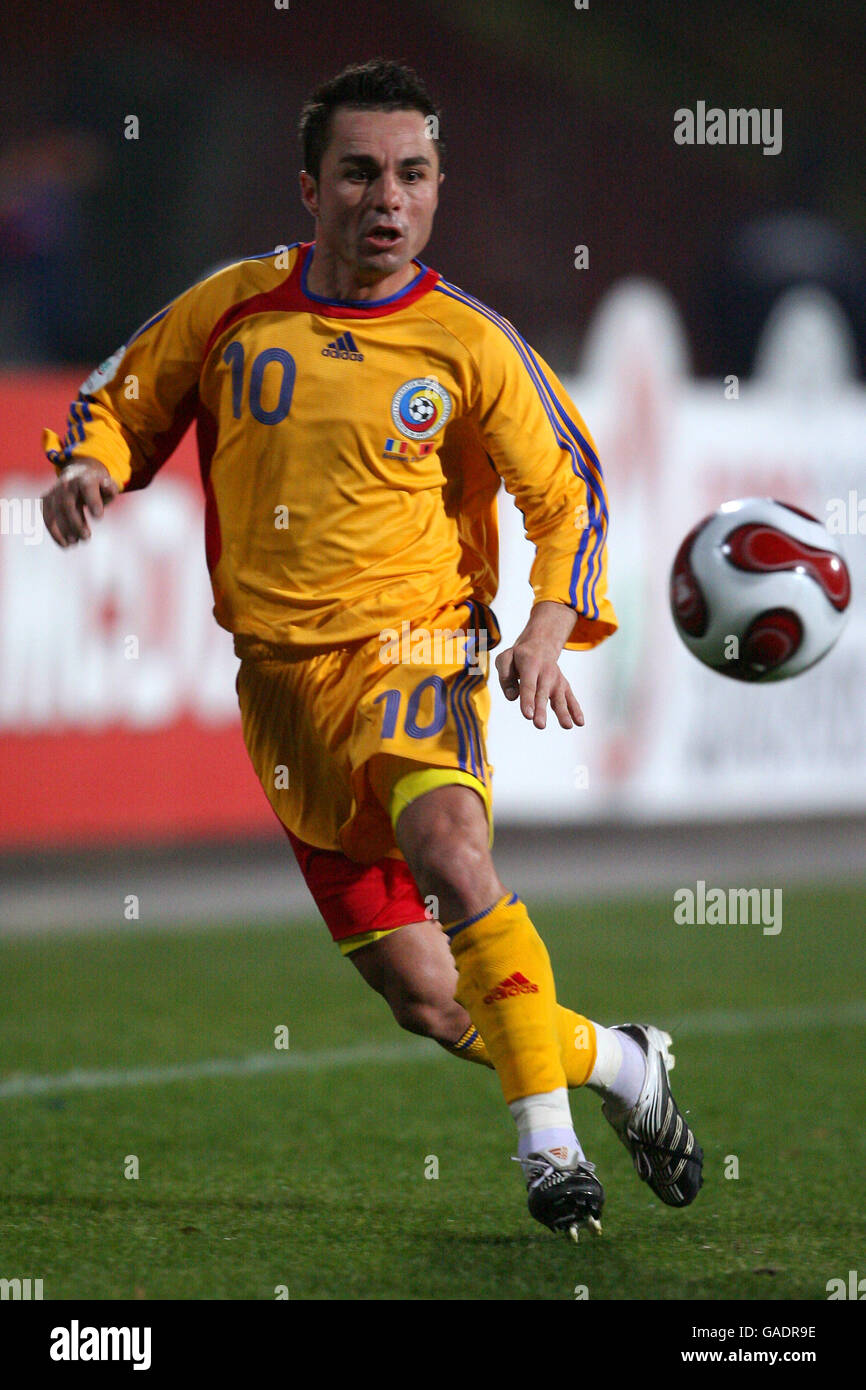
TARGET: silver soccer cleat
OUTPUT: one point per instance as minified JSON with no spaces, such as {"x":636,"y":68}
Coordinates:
{"x":664,"y":1150}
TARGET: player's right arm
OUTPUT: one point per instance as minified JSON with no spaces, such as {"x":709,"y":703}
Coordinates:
{"x":82,"y":487}
{"x":127,"y":418}
{"x":131,"y":413}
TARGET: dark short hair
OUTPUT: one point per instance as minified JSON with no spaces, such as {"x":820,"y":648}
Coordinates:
{"x":380,"y":85}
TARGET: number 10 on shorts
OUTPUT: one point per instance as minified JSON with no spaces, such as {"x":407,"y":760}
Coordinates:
{"x":393,"y":701}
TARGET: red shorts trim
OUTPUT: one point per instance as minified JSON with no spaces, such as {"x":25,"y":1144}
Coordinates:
{"x":358,"y":898}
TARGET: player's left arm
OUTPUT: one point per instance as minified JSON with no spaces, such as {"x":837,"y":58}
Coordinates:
{"x":530,"y":669}
{"x":544,"y":454}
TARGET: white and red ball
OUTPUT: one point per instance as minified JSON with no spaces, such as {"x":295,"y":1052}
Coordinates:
{"x":759,"y":590}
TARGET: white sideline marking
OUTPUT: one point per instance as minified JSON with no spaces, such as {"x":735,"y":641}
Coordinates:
{"x":327,"y":1059}
{"x":709,"y":1023}
{"x":715,"y":1021}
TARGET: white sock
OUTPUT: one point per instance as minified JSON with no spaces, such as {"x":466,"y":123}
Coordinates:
{"x":620,"y":1067}
{"x":544,"y":1124}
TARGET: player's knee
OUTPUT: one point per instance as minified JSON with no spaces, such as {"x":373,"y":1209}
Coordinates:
{"x":459,"y":865}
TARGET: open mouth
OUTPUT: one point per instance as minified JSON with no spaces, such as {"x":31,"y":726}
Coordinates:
{"x":382,"y":237}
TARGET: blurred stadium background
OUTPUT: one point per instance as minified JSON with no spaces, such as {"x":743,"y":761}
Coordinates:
{"x":714,"y":344}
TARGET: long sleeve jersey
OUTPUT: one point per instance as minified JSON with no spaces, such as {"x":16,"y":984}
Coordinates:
{"x":351,"y":452}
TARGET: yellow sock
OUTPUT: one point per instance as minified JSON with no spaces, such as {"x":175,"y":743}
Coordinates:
{"x":576,"y":1046}
{"x":470,"y":1047}
{"x":505,"y":984}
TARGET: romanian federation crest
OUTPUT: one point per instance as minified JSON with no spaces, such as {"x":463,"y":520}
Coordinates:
{"x":420,"y":407}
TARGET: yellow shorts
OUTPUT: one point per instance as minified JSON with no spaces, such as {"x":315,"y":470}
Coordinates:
{"x":314,"y":724}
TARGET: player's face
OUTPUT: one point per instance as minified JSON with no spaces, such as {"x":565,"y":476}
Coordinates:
{"x":376,"y":194}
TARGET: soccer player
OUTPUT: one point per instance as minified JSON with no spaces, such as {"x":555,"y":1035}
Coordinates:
{"x":355,"y":415}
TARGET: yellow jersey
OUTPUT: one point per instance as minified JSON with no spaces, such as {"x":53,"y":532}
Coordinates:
{"x":351,"y":452}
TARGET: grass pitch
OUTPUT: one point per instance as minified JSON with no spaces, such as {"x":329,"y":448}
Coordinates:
{"x":313,"y":1170}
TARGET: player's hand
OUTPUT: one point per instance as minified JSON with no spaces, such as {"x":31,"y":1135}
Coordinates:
{"x":529,"y":669}
{"x":85,"y":486}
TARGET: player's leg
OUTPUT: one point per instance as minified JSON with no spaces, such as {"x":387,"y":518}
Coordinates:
{"x":444,"y":837}
{"x":378,"y":919}
{"x":297,"y":719}
{"x":505,"y":982}
{"x":374,"y":914}
{"x":413,"y":969}
{"x":626,"y":1065}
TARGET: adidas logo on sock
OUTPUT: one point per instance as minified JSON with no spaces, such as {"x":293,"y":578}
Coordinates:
{"x":345,"y":348}
{"x":515,"y":984}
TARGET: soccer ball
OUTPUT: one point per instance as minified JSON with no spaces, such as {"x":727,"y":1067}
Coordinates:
{"x":422,"y":409}
{"x":759,"y":591}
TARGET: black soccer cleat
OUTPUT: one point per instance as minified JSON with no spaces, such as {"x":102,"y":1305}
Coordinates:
{"x":563,"y":1198}
{"x":664,"y":1150}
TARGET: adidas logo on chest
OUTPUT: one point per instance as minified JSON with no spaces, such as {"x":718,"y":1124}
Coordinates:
{"x":344,"y":348}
